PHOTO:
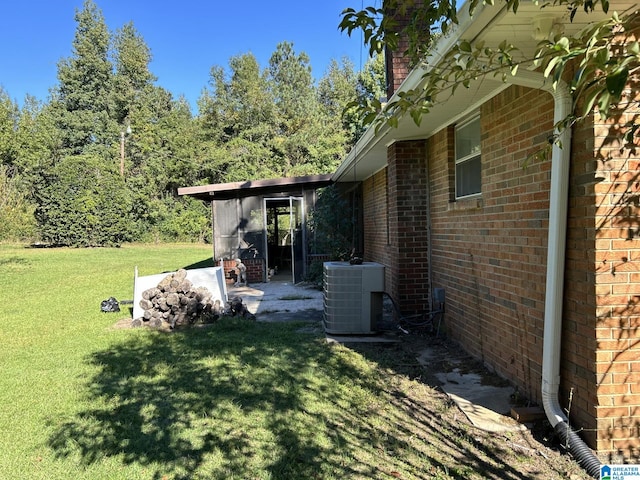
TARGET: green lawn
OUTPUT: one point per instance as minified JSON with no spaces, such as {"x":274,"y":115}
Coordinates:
{"x":80,"y":399}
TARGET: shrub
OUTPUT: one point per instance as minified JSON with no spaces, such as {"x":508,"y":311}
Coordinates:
{"x":332,"y":224}
{"x":83,"y":203}
{"x":17,"y":222}
{"x":186,"y":220}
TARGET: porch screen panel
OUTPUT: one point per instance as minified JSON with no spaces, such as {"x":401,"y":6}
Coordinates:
{"x":252,"y":234}
{"x":225,"y":231}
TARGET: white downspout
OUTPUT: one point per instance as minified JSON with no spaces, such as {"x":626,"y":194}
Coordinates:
{"x":558,"y":201}
{"x":558,"y":204}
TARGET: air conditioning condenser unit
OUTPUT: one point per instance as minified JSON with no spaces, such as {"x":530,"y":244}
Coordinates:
{"x":352,"y":297}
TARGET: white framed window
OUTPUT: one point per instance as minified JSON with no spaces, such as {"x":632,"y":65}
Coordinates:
{"x":468,"y":158}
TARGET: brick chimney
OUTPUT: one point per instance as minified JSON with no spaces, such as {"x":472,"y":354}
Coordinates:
{"x":397,"y":65}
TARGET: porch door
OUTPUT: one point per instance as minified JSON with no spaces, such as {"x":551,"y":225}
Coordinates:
{"x":285,"y":236}
{"x":298,"y":240}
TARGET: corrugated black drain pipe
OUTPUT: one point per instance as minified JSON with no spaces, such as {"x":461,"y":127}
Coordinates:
{"x":578,"y":449}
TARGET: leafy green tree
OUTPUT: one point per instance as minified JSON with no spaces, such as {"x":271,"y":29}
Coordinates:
{"x":185,"y":220}
{"x":160,"y":156}
{"x":132,"y":79}
{"x":292,"y":87}
{"x":16,"y":211}
{"x":140,"y":111}
{"x":341,"y":90}
{"x":291,"y":84}
{"x":372,"y":78}
{"x":237,"y":118}
{"x":161,"y":150}
{"x":35,"y":143}
{"x":274,"y":122}
{"x":337,"y":90}
{"x":11,"y":199}
{"x":244,"y":105}
{"x":8,"y":128}
{"x":84,"y":204}
{"x":309,"y":137}
{"x":79,"y":202}
{"x":39,"y":142}
{"x":603,"y":57}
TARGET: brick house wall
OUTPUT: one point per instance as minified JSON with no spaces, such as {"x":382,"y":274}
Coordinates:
{"x":604,"y":309}
{"x":580,"y":305}
{"x":376,"y":221}
{"x":395,"y":225}
{"x":408,"y":239}
{"x":489,"y":253}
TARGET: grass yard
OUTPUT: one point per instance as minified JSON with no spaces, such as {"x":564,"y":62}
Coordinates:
{"x":80,"y":399}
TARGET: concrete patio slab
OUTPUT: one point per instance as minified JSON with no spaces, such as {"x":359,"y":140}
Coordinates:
{"x":486,"y":406}
{"x":280,"y":301}
{"x":361,"y":339}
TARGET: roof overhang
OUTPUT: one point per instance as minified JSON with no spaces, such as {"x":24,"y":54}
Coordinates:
{"x":491,"y":24}
{"x":250,"y":188}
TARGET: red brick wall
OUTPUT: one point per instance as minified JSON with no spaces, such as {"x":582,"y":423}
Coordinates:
{"x":255,"y":269}
{"x":579,"y":315}
{"x":395,"y":225}
{"x":376,"y":222}
{"x":489,"y":253}
{"x":605,"y":308}
{"x":408,"y":234}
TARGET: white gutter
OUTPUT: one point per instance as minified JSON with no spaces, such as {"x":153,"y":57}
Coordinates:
{"x":558,"y":201}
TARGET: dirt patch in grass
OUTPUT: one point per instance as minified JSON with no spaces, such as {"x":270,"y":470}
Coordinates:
{"x":460,"y":449}
{"x":123,"y":323}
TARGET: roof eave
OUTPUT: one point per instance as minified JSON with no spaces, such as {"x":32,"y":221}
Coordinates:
{"x":369,"y":154}
{"x":254,"y":187}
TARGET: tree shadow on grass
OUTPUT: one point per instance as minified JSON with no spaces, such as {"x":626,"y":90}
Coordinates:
{"x":177,"y":402}
{"x":465,"y":451}
{"x":252,"y":400}
{"x":206,"y":263}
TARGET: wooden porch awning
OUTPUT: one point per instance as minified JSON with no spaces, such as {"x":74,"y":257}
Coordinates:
{"x":249,"y":188}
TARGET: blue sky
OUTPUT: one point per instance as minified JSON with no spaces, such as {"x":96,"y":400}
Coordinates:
{"x":186,"y":37}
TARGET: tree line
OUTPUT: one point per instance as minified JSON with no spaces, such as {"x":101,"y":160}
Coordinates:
{"x":100,"y":161}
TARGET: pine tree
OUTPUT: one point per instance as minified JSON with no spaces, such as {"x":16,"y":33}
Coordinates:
{"x":82,"y":98}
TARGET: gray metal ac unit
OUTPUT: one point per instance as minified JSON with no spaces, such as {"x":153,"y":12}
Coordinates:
{"x":352,"y":297}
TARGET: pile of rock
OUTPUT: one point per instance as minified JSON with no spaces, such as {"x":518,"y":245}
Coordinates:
{"x":176,"y":302}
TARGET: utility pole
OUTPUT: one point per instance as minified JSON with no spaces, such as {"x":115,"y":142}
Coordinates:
{"x":122,"y":153}
{"x":122,"y":136}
